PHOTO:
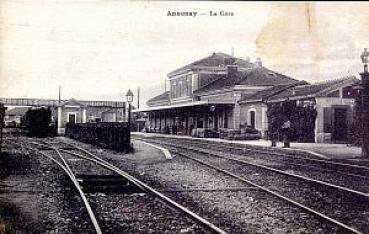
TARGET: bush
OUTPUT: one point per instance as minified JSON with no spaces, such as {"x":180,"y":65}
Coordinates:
{"x":302,"y":119}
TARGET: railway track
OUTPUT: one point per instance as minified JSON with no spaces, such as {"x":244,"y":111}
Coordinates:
{"x":250,"y":150}
{"x":354,"y":177}
{"x":75,"y":160}
{"x":344,"y":207}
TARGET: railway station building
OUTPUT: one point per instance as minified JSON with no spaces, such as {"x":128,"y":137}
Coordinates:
{"x":224,"y":92}
{"x":206,"y":94}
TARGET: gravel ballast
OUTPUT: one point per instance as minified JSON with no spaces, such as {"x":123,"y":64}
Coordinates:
{"x":246,"y":210}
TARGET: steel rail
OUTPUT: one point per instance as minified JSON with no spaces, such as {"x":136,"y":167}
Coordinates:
{"x":341,"y":172}
{"x":286,"y":162}
{"x":71,"y":176}
{"x":316,"y":168}
{"x":310,"y":210}
{"x":300,"y":165}
{"x":220,"y":155}
{"x":297,"y":204}
{"x":206,"y":224}
{"x":267,"y":151}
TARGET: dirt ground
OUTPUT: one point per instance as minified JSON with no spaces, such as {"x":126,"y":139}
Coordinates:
{"x":33,"y":195}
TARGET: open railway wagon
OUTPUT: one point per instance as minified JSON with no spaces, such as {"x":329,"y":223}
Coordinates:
{"x":109,"y":135}
{"x":38,"y":122}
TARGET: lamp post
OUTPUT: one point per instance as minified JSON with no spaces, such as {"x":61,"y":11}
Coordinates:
{"x":365,"y":104}
{"x":212,"y":109}
{"x":129,"y":96}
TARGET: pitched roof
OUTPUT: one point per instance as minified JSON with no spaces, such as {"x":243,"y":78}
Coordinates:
{"x":314,"y":90}
{"x":256,"y":76}
{"x":269,"y":92}
{"x":161,"y":97}
{"x":17,"y":111}
{"x":71,"y":102}
{"x":216,"y":60}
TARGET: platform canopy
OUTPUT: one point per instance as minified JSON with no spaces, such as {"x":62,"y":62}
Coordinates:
{"x":186,"y":104}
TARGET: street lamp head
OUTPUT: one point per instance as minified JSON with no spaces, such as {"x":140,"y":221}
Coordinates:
{"x":129,"y":96}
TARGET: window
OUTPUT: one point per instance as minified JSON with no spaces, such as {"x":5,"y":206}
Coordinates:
{"x":189,"y":85}
{"x":173,"y":89}
{"x":179,"y":89}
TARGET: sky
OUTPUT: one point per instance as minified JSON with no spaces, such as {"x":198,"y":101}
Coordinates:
{"x":97,"y":50}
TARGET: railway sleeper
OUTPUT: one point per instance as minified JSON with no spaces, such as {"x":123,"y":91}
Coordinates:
{"x":107,"y":184}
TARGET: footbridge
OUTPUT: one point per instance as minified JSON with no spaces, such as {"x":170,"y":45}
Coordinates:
{"x":36,"y":102}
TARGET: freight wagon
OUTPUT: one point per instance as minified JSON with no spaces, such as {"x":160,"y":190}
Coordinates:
{"x":38,"y":122}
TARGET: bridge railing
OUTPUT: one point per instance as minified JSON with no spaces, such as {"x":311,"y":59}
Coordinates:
{"x":54,"y":102}
{"x":107,"y":135}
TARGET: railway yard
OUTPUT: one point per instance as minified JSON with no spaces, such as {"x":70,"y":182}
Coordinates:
{"x":59,"y":185}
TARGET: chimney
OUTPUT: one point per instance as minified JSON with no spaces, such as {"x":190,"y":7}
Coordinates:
{"x":232,"y":70}
{"x":229,"y":61}
{"x":258,"y":62}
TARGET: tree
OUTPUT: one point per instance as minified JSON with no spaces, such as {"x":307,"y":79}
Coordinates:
{"x":302,"y":119}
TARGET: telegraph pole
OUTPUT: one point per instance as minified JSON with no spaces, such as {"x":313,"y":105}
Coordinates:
{"x":59,"y":94}
{"x":138,"y":97}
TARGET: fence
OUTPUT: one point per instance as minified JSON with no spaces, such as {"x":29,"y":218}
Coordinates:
{"x":107,"y":135}
{"x":2,"y":124}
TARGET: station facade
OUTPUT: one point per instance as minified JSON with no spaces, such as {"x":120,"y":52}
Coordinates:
{"x":207,"y":92}
{"x":225,"y":92}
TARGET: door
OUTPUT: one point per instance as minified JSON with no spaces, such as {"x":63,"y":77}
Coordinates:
{"x":340,"y":125}
{"x":252,"y":119}
{"x":71,"y":118}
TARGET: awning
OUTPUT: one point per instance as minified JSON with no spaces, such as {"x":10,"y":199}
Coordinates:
{"x":186,"y":104}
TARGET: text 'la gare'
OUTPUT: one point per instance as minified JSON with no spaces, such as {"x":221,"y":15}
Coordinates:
{"x":221,"y":13}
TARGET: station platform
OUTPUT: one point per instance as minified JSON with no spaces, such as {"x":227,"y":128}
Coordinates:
{"x":326,"y":151}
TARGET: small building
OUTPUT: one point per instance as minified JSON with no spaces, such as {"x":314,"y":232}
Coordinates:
{"x":333,"y":101}
{"x":74,"y":111}
{"x":69,"y":112}
{"x":13,"y":117}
